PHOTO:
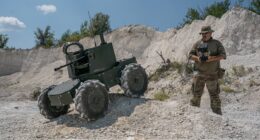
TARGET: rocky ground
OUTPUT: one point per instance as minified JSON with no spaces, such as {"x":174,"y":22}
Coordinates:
{"x":146,"y":117}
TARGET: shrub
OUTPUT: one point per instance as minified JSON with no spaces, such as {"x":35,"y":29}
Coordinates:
{"x":253,"y":83}
{"x":239,"y":70}
{"x":217,"y":9}
{"x":99,"y":24}
{"x":44,"y":38}
{"x":164,"y":70}
{"x":161,"y":96}
{"x":176,"y":66}
{"x":96,"y":26}
{"x":255,"y":6}
{"x":36,"y":92}
{"x":227,"y":89}
{"x":159,"y":73}
{"x":3,"y":41}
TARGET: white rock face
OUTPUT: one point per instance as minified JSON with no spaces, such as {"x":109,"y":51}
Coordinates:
{"x":238,"y":30}
{"x":11,"y":61}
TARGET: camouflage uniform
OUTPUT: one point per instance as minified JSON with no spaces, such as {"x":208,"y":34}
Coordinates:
{"x":207,"y":74}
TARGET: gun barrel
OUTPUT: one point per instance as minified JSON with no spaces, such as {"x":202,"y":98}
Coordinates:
{"x":55,"y":69}
{"x":102,"y":38}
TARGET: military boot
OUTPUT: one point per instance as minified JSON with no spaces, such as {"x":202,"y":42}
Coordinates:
{"x":217,"y":111}
{"x":195,"y":101}
{"x":215,"y":104}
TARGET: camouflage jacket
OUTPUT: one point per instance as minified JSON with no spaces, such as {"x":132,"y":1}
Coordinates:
{"x":215,"y":48}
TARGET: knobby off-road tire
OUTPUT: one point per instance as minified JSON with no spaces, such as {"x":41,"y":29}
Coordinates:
{"x":134,"y":80}
{"x":45,"y":107}
{"x":91,"y":99}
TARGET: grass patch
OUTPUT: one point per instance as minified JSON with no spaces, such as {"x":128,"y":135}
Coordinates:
{"x":227,"y":89}
{"x":239,"y":70}
{"x":161,"y":96}
{"x":36,"y":92}
{"x":189,"y":68}
{"x":176,"y":66}
{"x":164,"y":70}
{"x":253,"y":83}
{"x":159,"y":73}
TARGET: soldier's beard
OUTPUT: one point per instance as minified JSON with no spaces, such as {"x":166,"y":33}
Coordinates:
{"x":206,"y":38}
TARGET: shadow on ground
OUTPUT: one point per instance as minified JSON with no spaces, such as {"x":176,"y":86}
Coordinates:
{"x":119,"y":106}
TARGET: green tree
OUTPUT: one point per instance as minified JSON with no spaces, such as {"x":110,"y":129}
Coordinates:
{"x":84,"y":29}
{"x":255,"y":6}
{"x":192,"y":14}
{"x":239,"y":3}
{"x":99,"y":24}
{"x":65,"y":36}
{"x":75,"y":36}
{"x":44,"y":38}
{"x":3,"y":41}
{"x":217,"y":9}
{"x":69,"y":36}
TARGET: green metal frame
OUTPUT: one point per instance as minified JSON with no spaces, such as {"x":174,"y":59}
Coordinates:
{"x":100,"y":64}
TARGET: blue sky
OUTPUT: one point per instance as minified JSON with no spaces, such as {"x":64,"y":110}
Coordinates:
{"x":20,"y":18}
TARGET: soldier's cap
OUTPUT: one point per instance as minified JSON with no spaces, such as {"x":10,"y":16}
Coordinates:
{"x":206,"y":29}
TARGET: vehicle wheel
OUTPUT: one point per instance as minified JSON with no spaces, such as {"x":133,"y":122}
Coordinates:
{"x":45,"y":107}
{"x":91,"y":99}
{"x":134,"y":80}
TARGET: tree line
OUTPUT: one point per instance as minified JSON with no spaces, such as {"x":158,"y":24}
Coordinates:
{"x":97,"y":25}
{"x":45,"y":37}
{"x":216,"y":9}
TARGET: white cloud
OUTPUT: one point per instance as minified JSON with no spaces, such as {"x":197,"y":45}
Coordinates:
{"x":46,"y":9}
{"x":10,"y":24}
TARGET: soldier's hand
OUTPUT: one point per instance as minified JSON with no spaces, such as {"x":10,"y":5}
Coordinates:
{"x":195,"y":58}
{"x":210,"y":58}
{"x":214,"y":58}
{"x":198,"y":59}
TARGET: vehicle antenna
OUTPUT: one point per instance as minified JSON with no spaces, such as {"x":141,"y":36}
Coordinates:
{"x":91,"y":28}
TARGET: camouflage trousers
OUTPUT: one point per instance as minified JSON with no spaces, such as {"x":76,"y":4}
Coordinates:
{"x":213,"y":88}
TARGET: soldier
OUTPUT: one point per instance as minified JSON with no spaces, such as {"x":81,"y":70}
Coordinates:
{"x":207,"y":54}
